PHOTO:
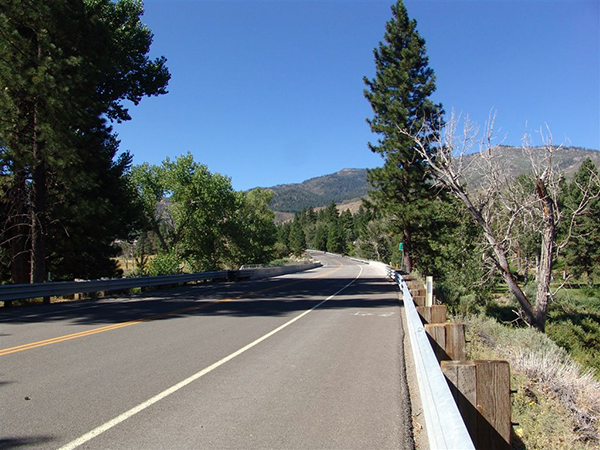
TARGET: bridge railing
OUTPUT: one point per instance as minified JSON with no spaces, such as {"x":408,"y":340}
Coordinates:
{"x":11,"y":292}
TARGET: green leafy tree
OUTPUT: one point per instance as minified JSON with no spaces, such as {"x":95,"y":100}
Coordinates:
{"x":399,"y":95}
{"x":150,"y":184}
{"x":202,"y":211}
{"x":164,"y":264}
{"x":255,"y":231}
{"x":374,"y":241}
{"x":200,"y":218}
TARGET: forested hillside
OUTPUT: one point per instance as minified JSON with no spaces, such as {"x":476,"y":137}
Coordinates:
{"x":514,"y":162}
{"x":347,"y":184}
{"x":350,"y":185}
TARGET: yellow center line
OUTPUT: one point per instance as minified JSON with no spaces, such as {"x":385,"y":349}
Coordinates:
{"x":68,"y":337}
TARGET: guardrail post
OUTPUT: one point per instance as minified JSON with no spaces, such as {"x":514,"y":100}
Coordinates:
{"x":432,"y":314}
{"x":493,"y":402}
{"x":455,"y":341}
{"x":482,"y":392}
{"x":447,"y":340}
{"x":437,"y":337}
{"x":462,"y":379}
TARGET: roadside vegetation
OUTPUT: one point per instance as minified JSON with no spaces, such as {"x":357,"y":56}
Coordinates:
{"x":516,"y":256}
{"x":556,"y":402}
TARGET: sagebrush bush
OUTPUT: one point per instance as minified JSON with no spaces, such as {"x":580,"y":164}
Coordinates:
{"x":556,"y":401}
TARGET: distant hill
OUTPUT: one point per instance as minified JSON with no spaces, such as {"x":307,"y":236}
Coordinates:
{"x":515,"y":163}
{"x":345,"y":185}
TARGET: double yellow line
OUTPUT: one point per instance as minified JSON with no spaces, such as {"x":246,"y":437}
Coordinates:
{"x":68,"y":337}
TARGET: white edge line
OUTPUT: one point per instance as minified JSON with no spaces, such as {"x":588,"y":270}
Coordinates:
{"x":126,"y":415}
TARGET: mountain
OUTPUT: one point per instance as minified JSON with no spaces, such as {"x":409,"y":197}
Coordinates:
{"x":347,"y":184}
{"x":514,"y":163}
{"x":346,"y":187}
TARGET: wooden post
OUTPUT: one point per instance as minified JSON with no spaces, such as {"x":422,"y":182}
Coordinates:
{"x":462,"y":380}
{"x":493,"y":403}
{"x":482,"y":392}
{"x":455,"y":341}
{"x":447,"y":340}
{"x":419,"y":300}
{"x":418,"y":292}
{"x":437,"y":337}
{"x":432,"y":314}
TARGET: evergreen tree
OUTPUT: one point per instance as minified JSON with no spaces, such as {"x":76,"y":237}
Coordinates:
{"x":98,"y":205}
{"x":320,"y":240}
{"x":283,"y":239}
{"x":582,"y":253}
{"x":399,"y":95}
{"x":66,"y":66}
{"x":335,"y":239}
{"x":346,"y":222}
{"x":297,"y":237}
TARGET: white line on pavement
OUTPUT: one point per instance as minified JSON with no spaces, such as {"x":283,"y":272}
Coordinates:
{"x":126,"y":415}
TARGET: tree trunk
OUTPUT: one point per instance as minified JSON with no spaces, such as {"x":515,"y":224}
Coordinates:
{"x":501,"y":261}
{"x":19,"y":252}
{"x":38,"y":225}
{"x":38,"y":209}
{"x":544,"y":268}
{"x":17,"y":230}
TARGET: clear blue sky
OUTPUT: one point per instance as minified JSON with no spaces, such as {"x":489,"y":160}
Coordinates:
{"x":271,"y":92}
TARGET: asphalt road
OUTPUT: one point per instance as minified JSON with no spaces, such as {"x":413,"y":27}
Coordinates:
{"x":312,"y":360}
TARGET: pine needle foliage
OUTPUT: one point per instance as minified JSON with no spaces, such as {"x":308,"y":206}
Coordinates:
{"x":400,"y":96}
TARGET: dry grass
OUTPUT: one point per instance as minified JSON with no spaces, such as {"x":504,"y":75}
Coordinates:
{"x":557,"y":404}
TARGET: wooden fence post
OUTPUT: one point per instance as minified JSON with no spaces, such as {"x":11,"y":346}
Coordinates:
{"x":437,"y":337}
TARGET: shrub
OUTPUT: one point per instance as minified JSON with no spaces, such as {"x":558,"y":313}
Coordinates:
{"x":164,"y":264}
{"x":556,"y":403}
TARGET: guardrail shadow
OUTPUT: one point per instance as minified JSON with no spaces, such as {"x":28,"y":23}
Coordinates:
{"x":482,"y":432}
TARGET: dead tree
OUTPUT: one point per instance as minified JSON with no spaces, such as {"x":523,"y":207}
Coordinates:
{"x":499,"y":205}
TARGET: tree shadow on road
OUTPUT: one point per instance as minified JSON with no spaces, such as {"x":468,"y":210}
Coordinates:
{"x":268,"y":297}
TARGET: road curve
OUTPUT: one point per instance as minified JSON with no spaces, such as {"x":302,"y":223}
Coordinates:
{"x":305,"y":361}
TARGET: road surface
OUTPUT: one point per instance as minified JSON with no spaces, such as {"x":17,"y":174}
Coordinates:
{"x":312,"y":360}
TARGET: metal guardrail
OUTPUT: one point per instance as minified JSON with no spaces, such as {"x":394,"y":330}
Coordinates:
{"x":445,"y":426}
{"x":11,"y":292}
{"x":53,"y":289}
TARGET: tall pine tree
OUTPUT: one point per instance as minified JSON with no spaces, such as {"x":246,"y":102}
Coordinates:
{"x":66,"y":67}
{"x":399,"y":95}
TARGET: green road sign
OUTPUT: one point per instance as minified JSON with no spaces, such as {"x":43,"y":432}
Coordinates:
{"x":400,"y":246}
